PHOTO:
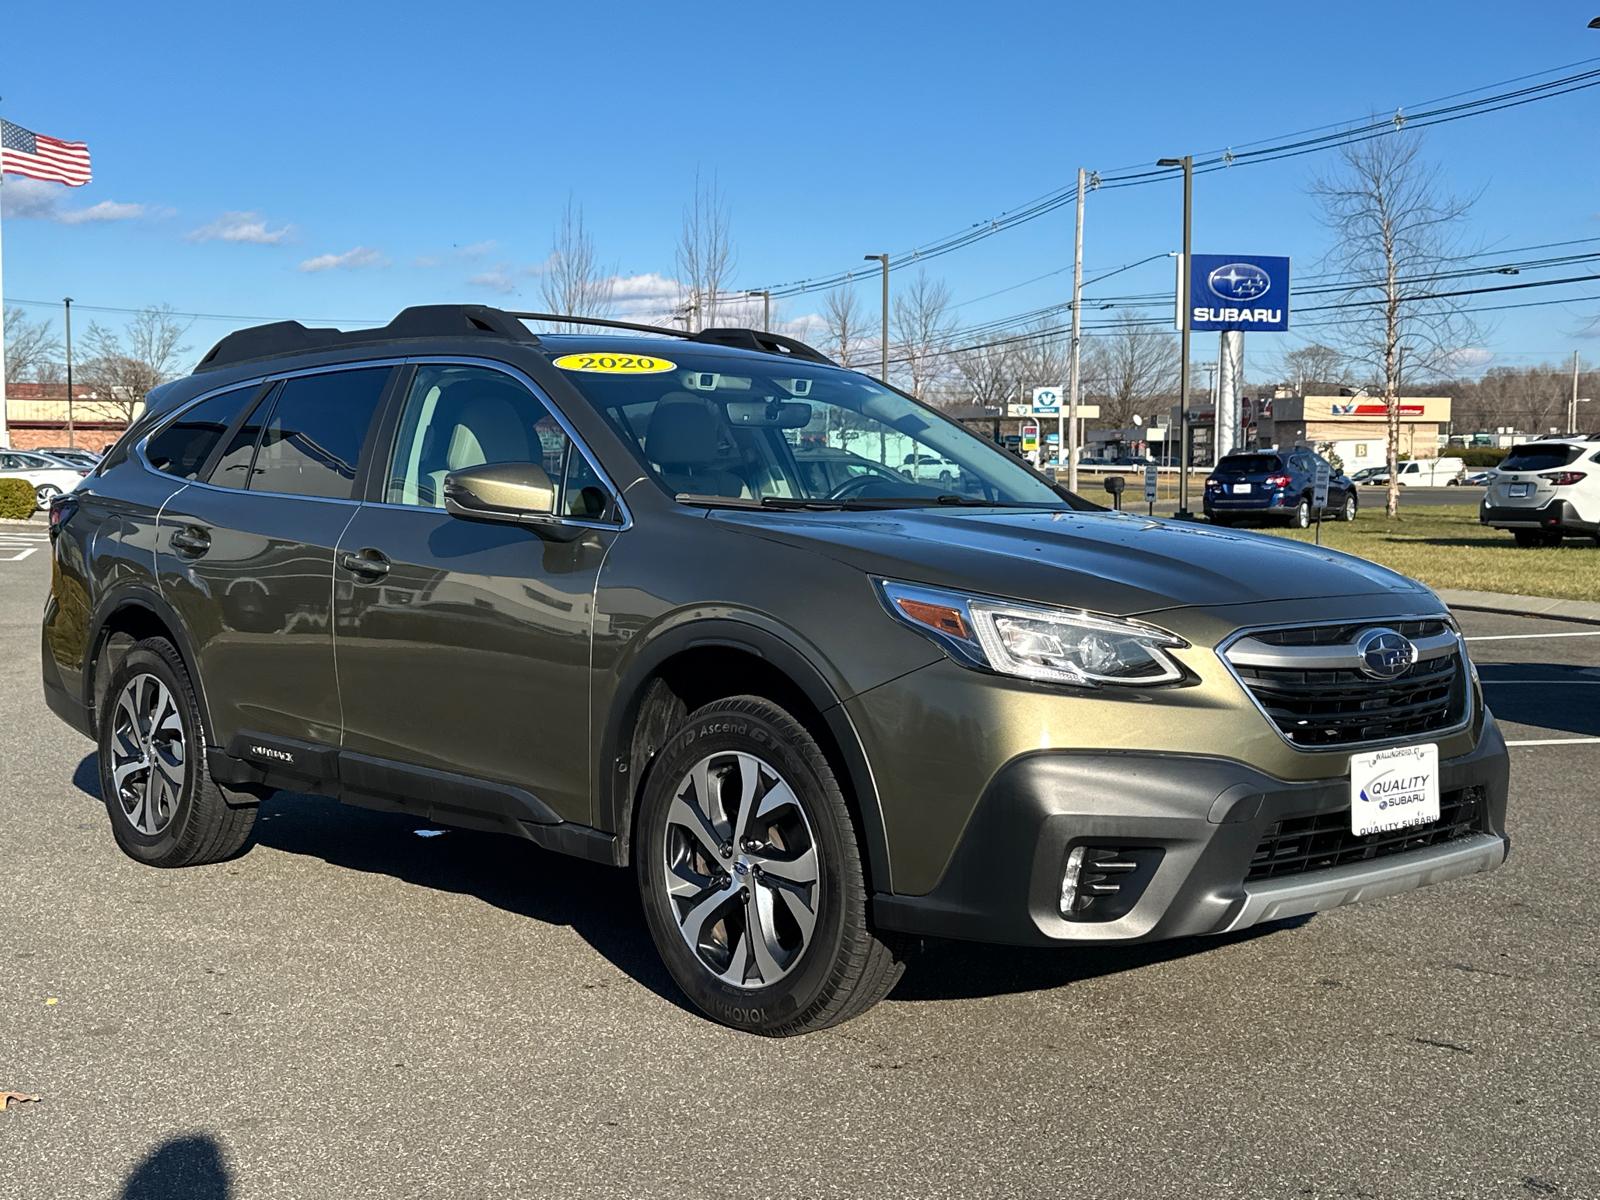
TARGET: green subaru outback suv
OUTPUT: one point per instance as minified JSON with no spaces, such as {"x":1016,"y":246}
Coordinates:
{"x":693,"y":606}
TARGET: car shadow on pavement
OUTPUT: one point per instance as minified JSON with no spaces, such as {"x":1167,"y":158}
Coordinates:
{"x":598,"y":902}
{"x":186,"y":1168}
{"x":1554,"y":696}
{"x":951,"y":970}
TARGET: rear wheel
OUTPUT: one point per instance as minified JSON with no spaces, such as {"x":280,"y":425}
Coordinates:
{"x":1300,"y":518}
{"x":1551,"y":538}
{"x":1528,"y":538}
{"x":751,"y":875}
{"x":45,"y":493}
{"x":1348,"y":511}
{"x":165,"y":809}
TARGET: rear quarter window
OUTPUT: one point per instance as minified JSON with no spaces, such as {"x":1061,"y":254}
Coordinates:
{"x":182,"y":447}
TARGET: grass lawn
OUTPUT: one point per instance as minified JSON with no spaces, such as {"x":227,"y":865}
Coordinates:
{"x":1445,"y":547}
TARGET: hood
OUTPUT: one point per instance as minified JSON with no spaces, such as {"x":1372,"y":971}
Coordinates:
{"x":1108,"y":562}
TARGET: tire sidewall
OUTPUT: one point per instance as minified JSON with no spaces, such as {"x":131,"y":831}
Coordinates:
{"x":1302,"y":515}
{"x":728,"y":726}
{"x":147,"y":659}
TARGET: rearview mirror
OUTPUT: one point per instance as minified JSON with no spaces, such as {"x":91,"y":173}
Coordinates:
{"x":518,"y":493}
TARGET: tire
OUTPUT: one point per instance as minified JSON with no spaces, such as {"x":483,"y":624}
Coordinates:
{"x":45,"y":493}
{"x":1225,"y":522}
{"x":165,"y":810}
{"x":1551,"y":538}
{"x":1528,"y":538}
{"x":703,"y":893}
{"x":945,"y":478}
{"x":1301,"y":517}
{"x":1347,"y":512}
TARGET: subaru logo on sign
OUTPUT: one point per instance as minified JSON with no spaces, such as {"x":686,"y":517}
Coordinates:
{"x":1385,"y":654}
{"x":1239,"y":281}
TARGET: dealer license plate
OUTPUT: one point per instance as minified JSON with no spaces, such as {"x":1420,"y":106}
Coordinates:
{"x":1394,"y":789}
{"x":1517,"y":489}
{"x":1241,"y":489}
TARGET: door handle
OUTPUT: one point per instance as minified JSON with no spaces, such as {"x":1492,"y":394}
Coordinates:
{"x":373,"y":564}
{"x":190,"y":541}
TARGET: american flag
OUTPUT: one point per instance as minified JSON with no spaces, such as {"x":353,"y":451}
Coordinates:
{"x":40,"y":157}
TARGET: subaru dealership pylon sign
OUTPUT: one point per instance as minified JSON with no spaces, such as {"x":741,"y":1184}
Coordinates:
{"x":1238,"y":292}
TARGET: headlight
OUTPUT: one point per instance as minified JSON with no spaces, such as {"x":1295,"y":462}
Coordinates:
{"x":1054,"y":645}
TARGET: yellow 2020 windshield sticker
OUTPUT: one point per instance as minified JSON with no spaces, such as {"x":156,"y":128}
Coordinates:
{"x":615,"y":364}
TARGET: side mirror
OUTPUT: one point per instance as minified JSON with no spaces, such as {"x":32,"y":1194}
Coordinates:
{"x":516,"y":493}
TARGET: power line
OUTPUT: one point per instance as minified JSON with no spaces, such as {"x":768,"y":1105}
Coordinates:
{"x":1310,"y":142}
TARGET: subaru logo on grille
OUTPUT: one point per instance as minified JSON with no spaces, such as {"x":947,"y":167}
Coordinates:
{"x":1239,"y":281}
{"x":1385,"y":654}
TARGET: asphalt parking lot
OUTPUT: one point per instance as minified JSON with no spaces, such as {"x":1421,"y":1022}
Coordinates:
{"x":352,"y":1010}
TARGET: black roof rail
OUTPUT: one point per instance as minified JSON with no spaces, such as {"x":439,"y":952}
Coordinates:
{"x":426,"y":320}
{"x":760,"y":339}
{"x":743,"y":339}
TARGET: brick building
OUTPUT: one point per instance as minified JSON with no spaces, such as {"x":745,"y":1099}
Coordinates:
{"x":36,"y":415}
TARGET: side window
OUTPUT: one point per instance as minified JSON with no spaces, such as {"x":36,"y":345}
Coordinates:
{"x":182,"y":448}
{"x":311,"y":444}
{"x":233,"y":468}
{"x":459,"y":416}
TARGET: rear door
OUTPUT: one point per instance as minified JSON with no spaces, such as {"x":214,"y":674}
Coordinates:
{"x":464,"y":645}
{"x":245,"y":553}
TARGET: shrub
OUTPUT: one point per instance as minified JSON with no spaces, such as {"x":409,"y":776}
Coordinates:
{"x":1482,"y":456}
{"x":17,"y":500}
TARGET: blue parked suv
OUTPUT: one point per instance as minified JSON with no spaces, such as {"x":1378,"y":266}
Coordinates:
{"x":1277,"y":485}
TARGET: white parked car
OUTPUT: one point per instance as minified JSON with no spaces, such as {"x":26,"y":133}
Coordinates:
{"x":48,"y":477}
{"x":1424,"y":472}
{"x":1546,"y":490}
{"x":928,"y":467}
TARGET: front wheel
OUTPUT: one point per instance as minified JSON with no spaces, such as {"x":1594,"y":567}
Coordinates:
{"x":1301,"y":517}
{"x":165,"y":809}
{"x":751,"y":875}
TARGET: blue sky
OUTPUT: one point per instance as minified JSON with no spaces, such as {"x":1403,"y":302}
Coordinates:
{"x":422,"y":153}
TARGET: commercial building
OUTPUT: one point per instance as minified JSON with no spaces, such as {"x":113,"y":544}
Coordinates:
{"x":1359,"y":424}
{"x":37,"y":414}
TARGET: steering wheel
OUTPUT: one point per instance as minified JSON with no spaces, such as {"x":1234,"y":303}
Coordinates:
{"x":857,"y":486}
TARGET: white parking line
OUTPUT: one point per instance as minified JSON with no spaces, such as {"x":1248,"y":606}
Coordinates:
{"x":1511,"y":637}
{"x":19,"y":556}
{"x":1557,"y":742}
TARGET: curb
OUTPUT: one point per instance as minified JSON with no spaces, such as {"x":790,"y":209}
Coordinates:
{"x":1585,"y":612}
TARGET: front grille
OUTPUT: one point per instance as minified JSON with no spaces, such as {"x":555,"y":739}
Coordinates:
{"x":1339,"y":705}
{"x":1302,"y":844}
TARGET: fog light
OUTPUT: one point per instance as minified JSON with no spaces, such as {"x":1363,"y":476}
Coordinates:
{"x":1069,"y":881}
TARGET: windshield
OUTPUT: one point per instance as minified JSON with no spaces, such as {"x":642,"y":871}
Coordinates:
{"x":792,"y":434}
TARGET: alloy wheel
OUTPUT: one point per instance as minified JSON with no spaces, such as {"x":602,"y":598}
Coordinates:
{"x":148,"y":755}
{"x":741,"y":869}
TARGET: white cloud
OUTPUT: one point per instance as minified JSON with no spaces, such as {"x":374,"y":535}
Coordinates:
{"x":468,"y":253}
{"x":36,"y":200}
{"x":240,"y":227}
{"x":361,"y":256}
{"x":497,"y":278}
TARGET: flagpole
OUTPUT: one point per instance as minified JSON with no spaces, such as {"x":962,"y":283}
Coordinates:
{"x":5,"y":430}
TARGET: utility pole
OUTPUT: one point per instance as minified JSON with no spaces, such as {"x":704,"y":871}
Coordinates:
{"x":1187,"y":163}
{"x":884,"y":259}
{"x":766,"y":310}
{"x":1070,"y":443}
{"x":71,"y":433}
{"x":1572,"y":418}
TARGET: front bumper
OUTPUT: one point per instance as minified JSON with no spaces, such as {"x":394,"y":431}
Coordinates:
{"x":1557,"y":514}
{"x":1206,"y":816}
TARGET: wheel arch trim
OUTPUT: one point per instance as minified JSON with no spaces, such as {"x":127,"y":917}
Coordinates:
{"x":617,"y":798}
{"x":118,"y":600}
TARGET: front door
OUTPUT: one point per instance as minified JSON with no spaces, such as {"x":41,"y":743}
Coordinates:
{"x":463,"y":646}
{"x":246,"y":556}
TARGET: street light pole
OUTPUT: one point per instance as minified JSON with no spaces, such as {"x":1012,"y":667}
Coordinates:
{"x":884,"y":259}
{"x":766,"y":310}
{"x":1187,"y":163}
{"x":71,"y":435}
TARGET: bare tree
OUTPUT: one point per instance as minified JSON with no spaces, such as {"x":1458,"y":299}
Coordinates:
{"x":706,"y":257}
{"x":845,"y":321}
{"x":121,"y":374}
{"x":1394,"y":230}
{"x":988,"y":374}
{"x":1315,"y":365}
{"x":922,"y":330}
{"x":1128,"y":368}
{"x":31,"y":346}
{"x":574,"y":281}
